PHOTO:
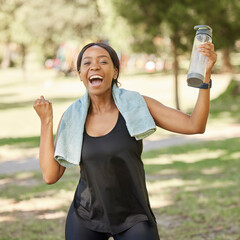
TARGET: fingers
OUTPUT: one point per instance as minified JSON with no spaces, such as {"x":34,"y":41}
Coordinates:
{"x":207,"y":45}
{"x":41,"y":101}
{"x":207,"y":49}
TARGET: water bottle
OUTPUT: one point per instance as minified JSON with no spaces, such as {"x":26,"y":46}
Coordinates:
{"x":197,"y":68}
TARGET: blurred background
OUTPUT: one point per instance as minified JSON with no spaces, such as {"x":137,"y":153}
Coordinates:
{"x":193,"y":181}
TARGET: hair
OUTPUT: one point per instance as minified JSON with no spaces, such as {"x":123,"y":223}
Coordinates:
{"x":111,"y":52}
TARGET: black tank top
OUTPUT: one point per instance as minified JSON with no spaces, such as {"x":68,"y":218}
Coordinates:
{"x":111,"y":195}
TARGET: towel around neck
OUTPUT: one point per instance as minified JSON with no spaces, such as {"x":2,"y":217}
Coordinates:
{"x":131,"y":105}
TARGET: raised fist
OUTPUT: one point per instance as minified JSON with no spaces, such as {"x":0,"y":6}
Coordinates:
{"x":44,"y":109}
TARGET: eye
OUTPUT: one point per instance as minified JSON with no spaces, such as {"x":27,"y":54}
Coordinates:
{"x":86,"y":63}
{"x":104,"y":62}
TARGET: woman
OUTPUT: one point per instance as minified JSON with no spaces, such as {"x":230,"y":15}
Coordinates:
{"x":111,"y":198}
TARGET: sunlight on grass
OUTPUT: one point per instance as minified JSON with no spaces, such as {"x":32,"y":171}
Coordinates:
{"x":217,"y":184}
{"x":53,"y":215}
{"x":19,"y":118}
{"x":35,"y":204}
{"x":160,"y":200}
{"x":190,"y":157}
{"x":193,"y":189}
{"x":235,"y":155}
{"x":7,"y":218}
{"x":11,"y":153}
{"x":211,"y":171}
{"x":158,"y":186}
{"x":24,"y":175}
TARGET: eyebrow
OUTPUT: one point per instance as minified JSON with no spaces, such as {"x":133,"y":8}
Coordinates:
{"x":100,"y":56}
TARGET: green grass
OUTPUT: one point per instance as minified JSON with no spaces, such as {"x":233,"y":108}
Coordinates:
{"x":194,"y":189}
{"x":24,"y":142}
{"x":205,"y":205}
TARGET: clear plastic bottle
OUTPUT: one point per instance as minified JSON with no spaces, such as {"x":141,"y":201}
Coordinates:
{"x":197,"y":68}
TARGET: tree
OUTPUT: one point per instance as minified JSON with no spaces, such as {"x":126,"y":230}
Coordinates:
{"x":147,"y":19}
{"x":223,"y":16}
{"x":48,"y":23}
{"x":7,"y":17}
{"x":61,"y":20}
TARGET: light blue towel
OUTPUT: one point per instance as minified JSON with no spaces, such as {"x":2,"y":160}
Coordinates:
{"x":130,"y":104}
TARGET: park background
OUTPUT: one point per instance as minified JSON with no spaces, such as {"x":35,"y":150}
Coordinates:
{"x":193,"y":181}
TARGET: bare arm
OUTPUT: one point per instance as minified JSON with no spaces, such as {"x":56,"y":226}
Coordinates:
{"x":52,"y":171}
{"x":177,"y":121}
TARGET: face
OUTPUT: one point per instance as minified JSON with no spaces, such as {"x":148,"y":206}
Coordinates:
{"x":97,"y":70}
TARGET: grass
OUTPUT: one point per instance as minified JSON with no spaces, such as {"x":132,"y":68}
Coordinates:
{"x":228,"y":103}
{"x":193,"y":189}
{"x":24,"y":142}
{"x":202,"y":195}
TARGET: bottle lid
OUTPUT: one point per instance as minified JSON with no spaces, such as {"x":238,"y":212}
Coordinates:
{"x":203,"y":29}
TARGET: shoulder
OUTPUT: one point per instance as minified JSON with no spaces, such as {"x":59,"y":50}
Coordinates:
{"x":155,"y":107}
{"x":76,"y":106}
{"x":126,"y":92}
{"x":150,"y":101}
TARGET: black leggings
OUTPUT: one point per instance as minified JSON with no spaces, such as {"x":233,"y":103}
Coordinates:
{"x":140,"y":231}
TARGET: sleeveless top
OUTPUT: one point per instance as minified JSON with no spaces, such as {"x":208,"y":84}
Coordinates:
{"x":111,"y":195}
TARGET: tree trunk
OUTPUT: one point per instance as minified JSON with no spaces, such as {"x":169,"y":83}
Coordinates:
{"x":226,"y":66}
{"x":6,"y":56}
{"x":23,"y":60}
{"x":23,"y":57}
{"x":176,"y":68}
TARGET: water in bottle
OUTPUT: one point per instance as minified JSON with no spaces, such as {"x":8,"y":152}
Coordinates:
{"x":197,"y":68}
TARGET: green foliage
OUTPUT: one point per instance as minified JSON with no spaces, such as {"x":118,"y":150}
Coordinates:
{"x":223,"y":17}
{"x":48,"y":23}
{"x":8,"y":11}
{"x":115,"y":28}
{"x":227,"y":103}
{"x":159,"y":18}
{"x":62,"y":21}
{"x":180,"y":17}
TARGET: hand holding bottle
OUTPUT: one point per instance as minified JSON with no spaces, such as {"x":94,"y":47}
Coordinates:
{"x":207,"y":49}
{"x":202,"y":58}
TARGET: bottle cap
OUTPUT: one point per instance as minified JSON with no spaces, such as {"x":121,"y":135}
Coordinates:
{"x":203,"y":29}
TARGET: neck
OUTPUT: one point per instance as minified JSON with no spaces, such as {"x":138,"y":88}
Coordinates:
{"x":101,"y":103}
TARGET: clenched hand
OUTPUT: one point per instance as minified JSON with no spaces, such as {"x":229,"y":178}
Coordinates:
{"x":44,"y":109}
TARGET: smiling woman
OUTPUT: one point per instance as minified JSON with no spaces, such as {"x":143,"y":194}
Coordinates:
{"x":109,"y":55}
{"x":102,"y":132}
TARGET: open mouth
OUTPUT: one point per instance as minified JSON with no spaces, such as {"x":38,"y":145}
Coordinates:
{"x":96,"y":80}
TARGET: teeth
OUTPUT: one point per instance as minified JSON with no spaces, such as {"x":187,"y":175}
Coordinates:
{"x":96,"y":76}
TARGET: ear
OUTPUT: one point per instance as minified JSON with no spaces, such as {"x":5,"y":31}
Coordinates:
{"x":79,"y":74}
{"x":115,"y":73}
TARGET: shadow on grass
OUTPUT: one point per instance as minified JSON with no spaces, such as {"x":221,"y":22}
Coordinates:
{"x":31,"y":225}
{"x":25,"y":104}
{"x":228,"y":150}
{"x":202,"y":195}
{"x":31,"y":209}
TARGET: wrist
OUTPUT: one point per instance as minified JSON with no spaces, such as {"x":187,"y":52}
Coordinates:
{"x":47,"y":121}
{"x":207,"y":78}
{"x":206,"y":85}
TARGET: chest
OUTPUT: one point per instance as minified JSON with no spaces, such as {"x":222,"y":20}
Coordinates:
{"x":115,"y":142}
{"x":102,"y":124}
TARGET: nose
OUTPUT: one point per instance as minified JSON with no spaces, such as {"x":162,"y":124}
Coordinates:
{"x":94,"y":67}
